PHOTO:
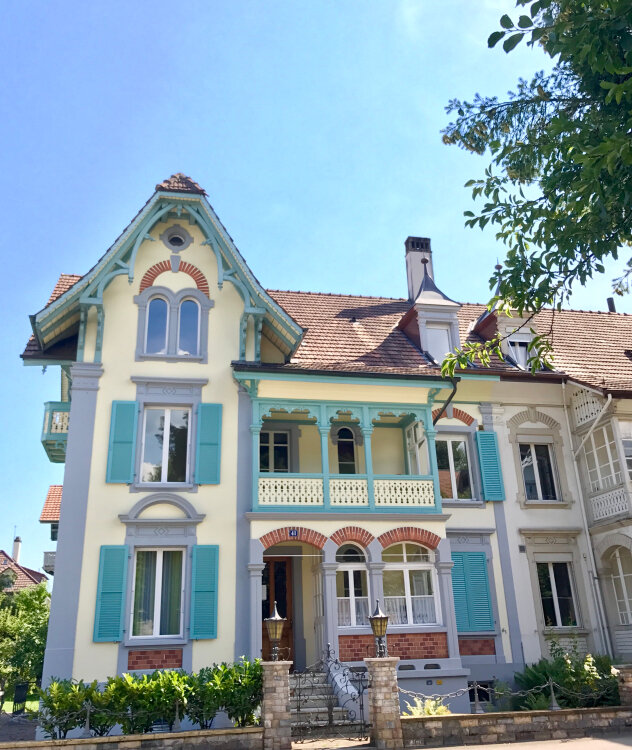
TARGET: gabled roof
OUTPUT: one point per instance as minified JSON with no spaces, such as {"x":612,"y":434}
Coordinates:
{"x":52,"y":504}
{"x":24,"y":577}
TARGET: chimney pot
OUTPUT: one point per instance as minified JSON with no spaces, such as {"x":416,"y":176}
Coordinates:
{"x":418,"y":263}
{"x":611,"y":307}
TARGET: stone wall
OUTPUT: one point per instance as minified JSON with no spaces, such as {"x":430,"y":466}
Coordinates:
{"x":250,"y":738}
{"x":476,"y":646}
{"x":153,"y":658}
{"x":402,"y":645}
{"x":514,"y":726}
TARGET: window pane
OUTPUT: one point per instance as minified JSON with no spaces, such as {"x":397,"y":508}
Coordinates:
{"x":342,"y":583}
{"x":393,"y":583}
{"x":346,"y":454}
{"x":264,"y":452}
{"x":349,"y":554}
{"x":394,"y":597}
{"x":156,"y":327}
{"x":281,"y":458}
{"x":178,"y":443}
{"x":394,"y":553}
{"x":415,"y":553}
{"x":420,"y":583}
{"x":528,"y":472}
{"x":564,"y":594}
{"x":443,"y":463}
{"x":189,"y":324}
{"x":151,"y":469}
{"x":280,"y":438}
{"x":545,"y":472}
{"x":546,"y":594}
{"x":360,"y":583}
{"x":461,"y":470}
{"x":627,"y":450}
{"x":170,"y":602}
{"x":144,"y":593}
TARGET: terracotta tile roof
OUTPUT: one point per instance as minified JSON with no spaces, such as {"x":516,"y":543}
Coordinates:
{"x":24,"y":577}
{"x":64,"y":282}
{"x":180,"y":183}
{"x":52,"y":504}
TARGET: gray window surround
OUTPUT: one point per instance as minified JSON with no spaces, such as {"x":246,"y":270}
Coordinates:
{"x":167,"y":392}
{"x":550,"y":434}
{"x":159,"y":533}
{"x":469,"y":433}
{"x":174,"y":229}
{"x":173,"y":300}
{"x":294,"y":431}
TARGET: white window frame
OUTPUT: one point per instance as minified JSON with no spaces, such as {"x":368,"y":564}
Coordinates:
{"x":416,"y":446}
{"x":179,"y":352}
{"x":158,"y":593}
{"x":625,"y":614}
{"x":272,"y":433}
{"x":536,"y":472}
{"x":166,"y":339}
{"x":454,"y":438}
{"x":556,"y":604}
{"x":407,"y":567}
{"x":351,"y":568}
{"x":165,"y":445}
{"x":616,"y":477}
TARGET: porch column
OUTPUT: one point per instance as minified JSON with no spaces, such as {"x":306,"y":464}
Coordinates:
{"x":255,"y":430}
{"x":368,"y":460}
{"x":432,"y":461}
{"x":330,"y":604}
{"x":324,"y":451}
{"x":254,"y":571}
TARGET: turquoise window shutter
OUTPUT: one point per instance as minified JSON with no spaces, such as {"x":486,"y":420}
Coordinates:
{"x":472,"y":598}
{"x":204,"y":591}
{"x":110,"y":606}
{"x":209,"y":444}
{"x":489,"y":460}
{"x":122,"y":448}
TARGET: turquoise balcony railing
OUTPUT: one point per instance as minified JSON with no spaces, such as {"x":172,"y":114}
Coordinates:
{"x":55,"y":430}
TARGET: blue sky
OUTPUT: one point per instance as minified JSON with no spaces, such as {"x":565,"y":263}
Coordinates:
{"x":313,"y":125}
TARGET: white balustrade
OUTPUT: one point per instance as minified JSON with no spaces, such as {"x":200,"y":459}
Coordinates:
{"x":290,"y":491}
{"x":404,"y":492}
{"x":350,"y":492}
{"x":59,"y":421}
{"x":609,"y":504}
{"x":585,"y":407}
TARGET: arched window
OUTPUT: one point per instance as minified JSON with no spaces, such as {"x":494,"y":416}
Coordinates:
{"x":189,"y":328}
{"x":621,"y":563}
{"x":157,"y":318}
{"x":346,"y":452}
{"x":410,"y":585}
{"x":352,"y":587}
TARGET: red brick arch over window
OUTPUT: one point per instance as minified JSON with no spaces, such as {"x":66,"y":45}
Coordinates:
{"x":154,"y":272}
{"x":352,"y":534}
{"x":409,"y":534}
{"x":457,"y":414}
{"x":293,"y":534}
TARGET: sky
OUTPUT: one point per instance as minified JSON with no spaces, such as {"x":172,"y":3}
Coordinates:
{"x":314,"y":126}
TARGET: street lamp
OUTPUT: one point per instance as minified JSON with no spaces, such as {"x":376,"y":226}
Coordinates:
{"x":379,"y":624}
{"x":274,"y":625}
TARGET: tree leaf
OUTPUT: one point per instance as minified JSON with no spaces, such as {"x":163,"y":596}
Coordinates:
{"x":506,"y":22}
{"x":495,"y":38}
{"x":511,"y":42}
{"x":524,"y":22}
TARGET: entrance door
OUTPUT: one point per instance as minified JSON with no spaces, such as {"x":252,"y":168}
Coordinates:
{"x":277,"y":587}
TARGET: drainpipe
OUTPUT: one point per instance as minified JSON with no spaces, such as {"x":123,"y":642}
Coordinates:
{"x":441,"y":411}
{"x":599,"y":606}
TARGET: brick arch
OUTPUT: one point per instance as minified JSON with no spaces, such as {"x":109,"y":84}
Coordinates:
{"x":159,"y":268}
{"x":459,"y":414}
{"x":299,"y":534}
{"x":352,"y":534}
{"x":409,"y":534}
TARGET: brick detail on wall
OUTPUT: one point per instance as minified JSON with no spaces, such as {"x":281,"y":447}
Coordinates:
{"x":404,"y":645}
{"x":352,"y":534}
{"x":293,"y":534}
{"x":409,"y":534}
{"x":159,"y":268}
{"x":477,"y":646}
{"x":457,"y":414}
{"x":166,"y":658}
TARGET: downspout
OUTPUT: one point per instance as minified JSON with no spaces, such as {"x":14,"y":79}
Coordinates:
{"x":441,"y":411}
{"x":603,"y":627}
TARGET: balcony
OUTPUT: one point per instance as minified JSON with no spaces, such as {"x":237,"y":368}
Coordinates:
{"x":49,"y":563}
{"x":350,"y":493}
{"x":55,"y":430}
{"x":610,"y":505}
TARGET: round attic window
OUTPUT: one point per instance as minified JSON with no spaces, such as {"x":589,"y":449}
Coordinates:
{"x":176,"y":238}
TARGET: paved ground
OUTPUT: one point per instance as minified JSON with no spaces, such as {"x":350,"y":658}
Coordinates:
{"x":14,"y":730}
{"x":607,"y":742}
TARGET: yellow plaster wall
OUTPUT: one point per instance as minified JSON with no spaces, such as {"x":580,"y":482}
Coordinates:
{"x":387,"y":451}
{"x":106,"y":501}
{"x":309,"y":450}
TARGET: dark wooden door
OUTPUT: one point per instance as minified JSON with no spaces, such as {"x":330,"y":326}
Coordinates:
{"x":277,"y":586}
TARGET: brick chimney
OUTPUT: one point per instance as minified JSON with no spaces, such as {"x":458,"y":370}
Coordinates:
{"x":417,"y":250}
{"x":17,"y":545}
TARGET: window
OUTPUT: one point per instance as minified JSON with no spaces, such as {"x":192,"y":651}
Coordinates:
{"x":602,"y":460}
{"x":519,"y":351}
{"x":621,"y":563}
{"x":346,"y":451}
{"x":556,"y":594}
{"x":417,"y":450}
{"x":189,"y":328}
{"x":409,"y":585}
{"x":538,"y":474}
{"x":165,"y":460}
{"x":157,"y":317}
{"x":437,"y":340}
{"x":352,"y":587}
{"x":274,"y":451}
{"x":626,"y":439}
{"x":455,"y":479}
{"x":158,"y":592}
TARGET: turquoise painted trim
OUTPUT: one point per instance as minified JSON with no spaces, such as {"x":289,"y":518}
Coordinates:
{"x":351,"y":380}
{"x":476,"y":376}
{"x":208,"y":454}
{"x":472,"y":597}
{"x":122,"y":443}
{"x":54,"y":443}
{"x":255,"y":431}
{"x":98,"y":346}
{"x":111,"y":589}
{"x":489,"y":462}
{"x":432,"y":451}
{"x":81,"y":339}
{"x":143,"y":234}
{"x":204,"y":591}
{"x":423,"y":510}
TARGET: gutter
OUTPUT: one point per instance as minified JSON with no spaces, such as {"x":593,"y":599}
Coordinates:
{"x":596,"y":587}
{"x":455,"y":382}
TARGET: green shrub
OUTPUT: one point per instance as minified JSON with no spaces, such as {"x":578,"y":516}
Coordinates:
{"x":241,"y":688}
{"x":205,"y":699}
{"x":132,"y":701}
{"x":169,"y":693}
{"x":62,"y":707}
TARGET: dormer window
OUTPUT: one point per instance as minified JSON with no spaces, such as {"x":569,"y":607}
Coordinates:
{"x":519,"y":346}
{"x":437,"y":342}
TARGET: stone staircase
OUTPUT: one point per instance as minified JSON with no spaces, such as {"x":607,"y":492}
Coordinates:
{"x":315,"y":709}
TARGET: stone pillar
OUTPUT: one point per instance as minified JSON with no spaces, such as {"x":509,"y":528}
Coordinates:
{"x":275,"y":709}
{"x":625,"y":684}
{"x":384,"y":712}
{"x":330,"y":604}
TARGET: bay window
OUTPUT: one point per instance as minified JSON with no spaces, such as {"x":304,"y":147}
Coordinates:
{"x":409,"y":585}
{"x":602,"y":459}
{"x":352,"y":589}
{"x":165,"y":445}
{"x":158,"y":593}
{"x":538,"y":472}
{"x":453,"y":462}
